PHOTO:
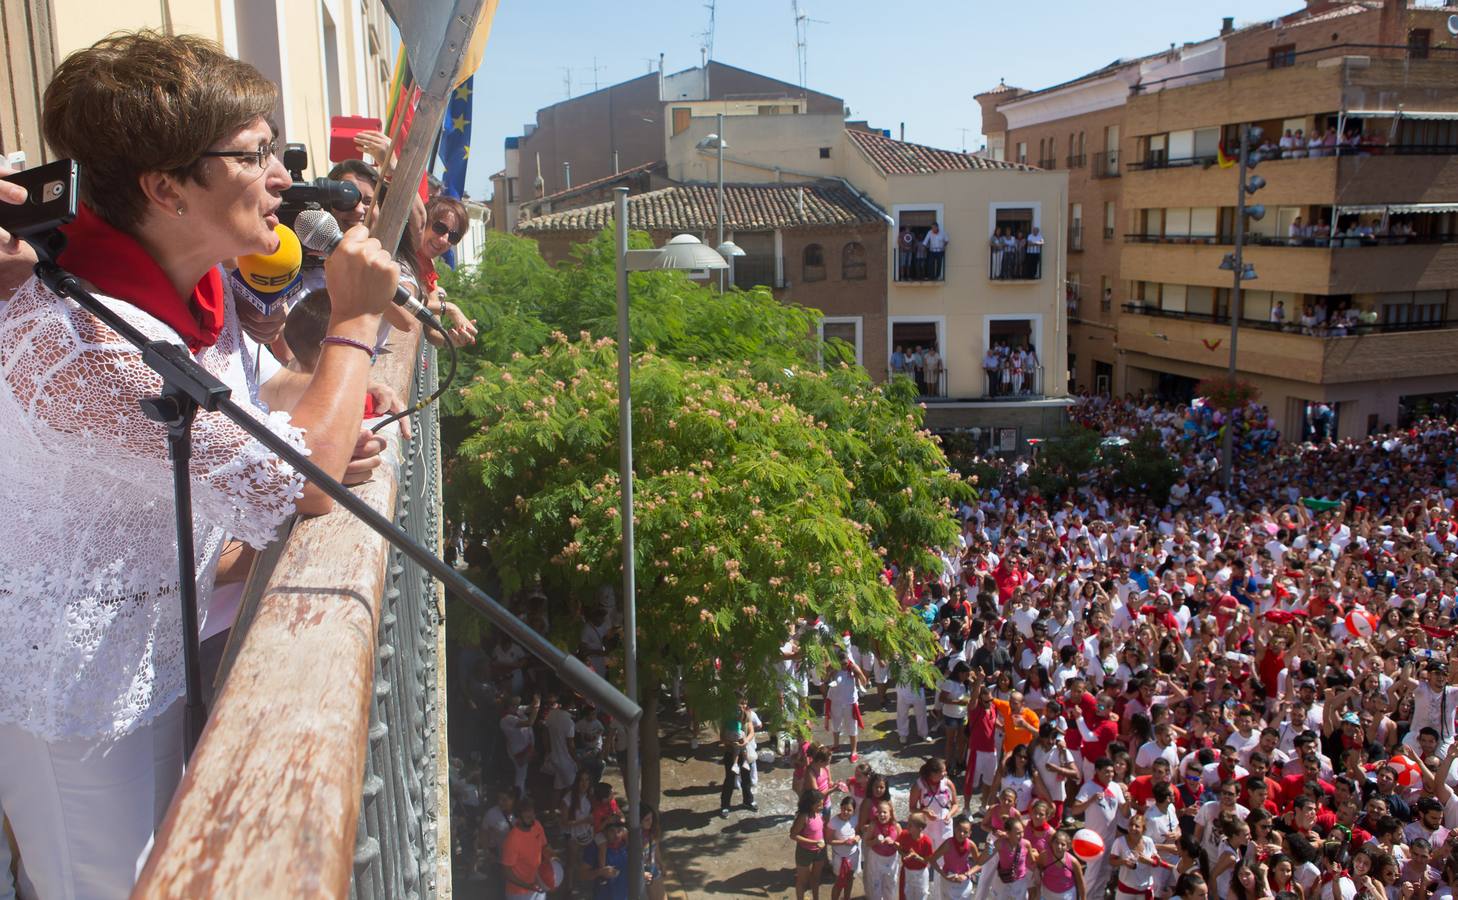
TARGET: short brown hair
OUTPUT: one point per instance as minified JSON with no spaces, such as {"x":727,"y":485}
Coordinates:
{"x":306,"y":326}
{"x":147,"y":102}
{"x":446,"y":203}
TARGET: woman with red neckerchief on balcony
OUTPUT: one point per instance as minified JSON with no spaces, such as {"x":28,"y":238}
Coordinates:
{"x":179,"y":173}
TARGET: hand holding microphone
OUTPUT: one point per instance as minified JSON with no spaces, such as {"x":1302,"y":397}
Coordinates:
{"x":320,"y":233}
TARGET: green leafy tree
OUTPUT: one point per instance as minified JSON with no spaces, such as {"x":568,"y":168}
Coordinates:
{"x":774,"y":480}
{"x":1144,"y":466}
{"x":1063,"y":461}
{"x":747,"y":514}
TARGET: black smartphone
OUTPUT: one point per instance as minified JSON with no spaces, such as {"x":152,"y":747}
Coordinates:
{"x":50,"y":199}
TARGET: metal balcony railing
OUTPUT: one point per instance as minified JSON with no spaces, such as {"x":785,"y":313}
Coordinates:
{"x":1048,"y":162}
{"x":913,"y":268}
{"x":933,"y":387}
{"x":1290,"y":327}
{"x":1105,"y":164}
{"x":1328,"y":242}
{"x":1075,"y":237}
{"x":1077,"y":160}
{"x":319,"y":770}
{"x":1009,"y":382}
{"x":1011,"y":264}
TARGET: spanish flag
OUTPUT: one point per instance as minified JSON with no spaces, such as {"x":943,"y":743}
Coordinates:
{"x":1221,"y":158}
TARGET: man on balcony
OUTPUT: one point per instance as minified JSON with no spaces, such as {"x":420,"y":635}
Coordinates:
{"x":1035,"y":254}
{"x":936,"y":247}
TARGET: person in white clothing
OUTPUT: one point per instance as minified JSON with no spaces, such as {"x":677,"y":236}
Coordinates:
{"x":1435,"y":704}
{"x":1100,"y":801}
{"x":561,"y":730}
{"x":179,"y":173}
{"x":910,"y":704}
{"x":1134,"y":857}
{"x":842,"y":698}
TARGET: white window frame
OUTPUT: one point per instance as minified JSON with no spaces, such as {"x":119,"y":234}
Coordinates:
{"x":939,"y":321}
{"x":1037,"y":332}
{"x":859,"y":322}
{"x":1034,"y":205}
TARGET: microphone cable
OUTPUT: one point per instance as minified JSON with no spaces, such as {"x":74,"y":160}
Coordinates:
{"x":440,"y":391}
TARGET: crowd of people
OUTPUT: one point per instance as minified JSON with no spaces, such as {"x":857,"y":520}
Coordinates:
{"x":1244,"y":695}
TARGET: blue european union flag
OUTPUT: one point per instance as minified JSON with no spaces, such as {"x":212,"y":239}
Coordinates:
{"x":455,"y":144}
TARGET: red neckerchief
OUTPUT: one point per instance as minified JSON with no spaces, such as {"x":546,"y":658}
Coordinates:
{"x":118,"y":265}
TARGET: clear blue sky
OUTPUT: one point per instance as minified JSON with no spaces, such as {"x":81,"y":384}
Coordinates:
{"x":892,"y":61}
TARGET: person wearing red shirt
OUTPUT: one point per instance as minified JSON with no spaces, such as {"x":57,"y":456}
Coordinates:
{"x":1259,"y":769}
{"x":1141,"y":789}
{"x":916,"y":853}
{"x":982,"y":756}
{"x":1098,"y":731}
{"x":1293,"y":786}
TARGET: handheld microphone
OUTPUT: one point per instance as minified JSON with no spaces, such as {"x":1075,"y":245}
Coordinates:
{"x":266,"y":279}
{"x":320,"y":233}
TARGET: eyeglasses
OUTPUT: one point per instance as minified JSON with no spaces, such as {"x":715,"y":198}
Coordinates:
{"x":261,"y":157}
{"x":444,"y":231}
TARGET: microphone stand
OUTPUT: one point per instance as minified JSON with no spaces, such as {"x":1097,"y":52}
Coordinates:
{"x":187,"y":388}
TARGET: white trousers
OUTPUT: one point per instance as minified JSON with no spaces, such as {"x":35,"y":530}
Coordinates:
{"x":880,"y":875}
{"x":909,"y":703}
{"x":83,"y":812}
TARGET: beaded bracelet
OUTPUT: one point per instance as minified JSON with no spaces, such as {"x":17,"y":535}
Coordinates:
{"x":348,"y":342}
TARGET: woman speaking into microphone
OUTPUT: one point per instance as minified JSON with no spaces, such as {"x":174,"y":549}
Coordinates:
{"x":178,"y":174}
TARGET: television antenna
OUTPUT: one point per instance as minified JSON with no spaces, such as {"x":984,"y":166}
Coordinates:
{"x":802,"y":39}
{"x":706,"y":37}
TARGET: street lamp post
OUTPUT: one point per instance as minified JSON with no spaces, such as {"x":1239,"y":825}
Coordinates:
{"x":727,"y":249}
{"x":720,"y":241}
{"x":1235,"y":262}
{"x":682,"y":252}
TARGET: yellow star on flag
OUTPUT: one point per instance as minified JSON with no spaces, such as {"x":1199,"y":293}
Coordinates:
{"x":459,"y":123}
{"x":466,"y":152}
{"x":463,"y":92}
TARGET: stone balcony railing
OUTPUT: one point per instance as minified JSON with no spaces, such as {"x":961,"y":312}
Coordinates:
{"x":322,"y":769}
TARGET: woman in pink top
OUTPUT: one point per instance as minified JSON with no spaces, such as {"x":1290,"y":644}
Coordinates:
{"x":934,"y":795}
{"x":808,"y":833}
{"x":953,"y":861}
{"x":1060,"y":870}
{"x":1013,"y":853}
{"x":882,"y":864}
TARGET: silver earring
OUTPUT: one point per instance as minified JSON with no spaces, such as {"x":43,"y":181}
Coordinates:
{"x":180,"y":210}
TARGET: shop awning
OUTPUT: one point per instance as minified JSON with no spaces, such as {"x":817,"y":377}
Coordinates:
{"x":1436,"y":115}
{"x":1401,"y":208}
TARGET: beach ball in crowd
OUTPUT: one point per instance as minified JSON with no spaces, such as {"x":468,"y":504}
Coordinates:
{"x":1361,"y":624}
{"x":550,"y":874}
{"x":1088,"y":845}
{"x":1407,"y":771}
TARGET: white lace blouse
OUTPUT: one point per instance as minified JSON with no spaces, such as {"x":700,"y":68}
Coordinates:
{"x":90,"y":623}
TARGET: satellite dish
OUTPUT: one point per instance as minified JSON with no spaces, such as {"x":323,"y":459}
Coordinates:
{"x":1453,"y":24}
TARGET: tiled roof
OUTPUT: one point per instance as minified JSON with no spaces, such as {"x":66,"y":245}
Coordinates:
{"x":747,"y":207}
{"x":903,"y":158}
{"x":599,"y":182}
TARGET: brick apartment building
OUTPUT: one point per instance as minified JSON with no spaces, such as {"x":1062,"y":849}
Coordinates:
{"x":1151,"y":213}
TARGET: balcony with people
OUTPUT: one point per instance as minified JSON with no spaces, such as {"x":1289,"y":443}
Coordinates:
{"x":921,"y":248}
{"x":1017,"y":247}
{"x":1300,"y":336}
{"x":1315,"y":249}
